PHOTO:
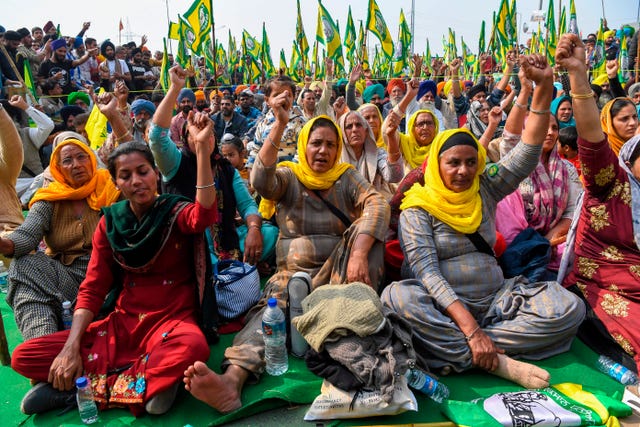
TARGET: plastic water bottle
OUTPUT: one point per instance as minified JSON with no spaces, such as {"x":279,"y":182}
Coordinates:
{"x":617,"y":371}
{"x":4,"y":276}
{"x":298,"y":287}
{"x":86,"y":405}
{"x":427,"y":384}
{"x":274,"y":332}
{"x":67,"y":315}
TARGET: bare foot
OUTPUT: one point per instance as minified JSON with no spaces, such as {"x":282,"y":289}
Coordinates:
{"x":525,"y":374}
{"x":222,"y":392}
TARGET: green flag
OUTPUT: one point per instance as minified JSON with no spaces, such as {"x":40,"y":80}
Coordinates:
{"x":267,"y":61}
{"x":562,"y":26}
{"x":481,"y":39}
{"x":350,"y":39}
{"x":573,"y":19}
{"x":378,"y":27}
{"x":200,"y":19}
{"x":301,"y":38}
{"x":251,"y":46}
{"x":187,"y":38}
{"x":403,"y":45}
{"x":363,"y":55}
{"x":329,"y":35}
{"x":551,"y":36}
{"x":283,"y":61}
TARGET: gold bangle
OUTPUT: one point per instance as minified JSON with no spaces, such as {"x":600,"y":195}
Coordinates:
{"x":517,"y":104}
{"x":255,"y":226}
{"x":124,"y":138}
{"x":581,"y":95}
{"x":539,"y":112}
{"x":397,"y":153}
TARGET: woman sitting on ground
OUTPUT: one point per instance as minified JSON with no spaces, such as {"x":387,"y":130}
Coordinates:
{"x":153,"y":246}
{"x":605,"y":269}
{"x":377,"y":165}
{"x":464,"y":313}
{"x":177,"y":166}
{"x":64,"y":214}
{"x":313,"y":238}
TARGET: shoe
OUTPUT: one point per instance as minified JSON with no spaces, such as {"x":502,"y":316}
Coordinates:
{"x":43,"y":397}
{"x":162,"y":402}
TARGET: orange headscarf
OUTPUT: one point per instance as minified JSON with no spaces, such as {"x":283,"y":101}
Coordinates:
{"x":615,"y":141}
{"x":99,"y":191}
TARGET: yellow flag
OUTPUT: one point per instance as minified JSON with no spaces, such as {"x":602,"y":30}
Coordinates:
{"x":96,"y":126}
{"x":377,"y":25}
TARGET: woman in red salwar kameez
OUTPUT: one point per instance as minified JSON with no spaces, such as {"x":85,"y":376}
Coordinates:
{"x":606,"y":267}
{"x":136,"y":356}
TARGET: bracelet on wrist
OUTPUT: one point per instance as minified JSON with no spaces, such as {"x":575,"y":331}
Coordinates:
{"x":254,"y":226}
{"x":273,"y":144}
{"x":539,"y":112}
{"x":521,"y":106}
{"x":472,"y":334}
{"x":124,"y":138}
{"x":202,"y":187}
{"x":581,"y":95}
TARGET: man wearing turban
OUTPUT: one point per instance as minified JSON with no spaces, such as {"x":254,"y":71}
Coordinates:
{"x":58,"y":67}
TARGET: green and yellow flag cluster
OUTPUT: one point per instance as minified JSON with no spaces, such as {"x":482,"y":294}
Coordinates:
{"x":193,"y":30}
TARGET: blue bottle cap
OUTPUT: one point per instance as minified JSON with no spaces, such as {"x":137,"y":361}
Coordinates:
{"x":81,"y":382}
{"x":272,"y":302}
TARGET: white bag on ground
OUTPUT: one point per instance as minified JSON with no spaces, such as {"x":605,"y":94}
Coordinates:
{"x":333,"y":403}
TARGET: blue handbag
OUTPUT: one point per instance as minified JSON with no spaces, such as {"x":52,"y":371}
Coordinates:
{"x":237,"y":287}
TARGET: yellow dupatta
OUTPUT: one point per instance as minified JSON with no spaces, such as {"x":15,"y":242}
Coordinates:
{"x":99,"y":191}
{"x":461,"y":211}
{"x":615,"y":141}
{"x":310,"y":179}
{"x":413,"y":153}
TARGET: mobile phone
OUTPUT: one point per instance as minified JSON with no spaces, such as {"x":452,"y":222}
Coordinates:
{"x":611,"y":54}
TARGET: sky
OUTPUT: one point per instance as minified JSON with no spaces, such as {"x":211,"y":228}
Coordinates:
{"x":432,"y":18}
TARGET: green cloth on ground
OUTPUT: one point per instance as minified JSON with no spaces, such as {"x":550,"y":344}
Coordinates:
{"x":297,"y":386}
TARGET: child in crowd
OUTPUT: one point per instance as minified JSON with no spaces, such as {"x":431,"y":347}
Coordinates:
{"x":568,"y":146}
{"x":233,"y":150}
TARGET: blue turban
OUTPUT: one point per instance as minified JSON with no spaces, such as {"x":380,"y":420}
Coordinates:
{"x":143,"y":105}
{"x":187,"y":93}
{"x":426,"y":86}
{"x":58,"y":43}
{"x":77,"y":42}
{"x":376,"y":89}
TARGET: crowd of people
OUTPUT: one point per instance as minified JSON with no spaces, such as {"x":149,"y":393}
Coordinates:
{"x":498,"y":218}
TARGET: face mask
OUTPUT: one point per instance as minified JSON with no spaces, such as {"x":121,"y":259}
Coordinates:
{"x":186,"y":108}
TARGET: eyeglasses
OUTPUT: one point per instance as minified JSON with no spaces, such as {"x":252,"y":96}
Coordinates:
{"x":424,"y":124}
{"x":68,"y":161}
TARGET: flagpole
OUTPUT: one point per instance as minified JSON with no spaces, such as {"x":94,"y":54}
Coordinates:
{"x":413,"y":16}
{"x":214,"y":46}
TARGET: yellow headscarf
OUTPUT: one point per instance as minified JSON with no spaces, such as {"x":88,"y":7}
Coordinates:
{"x":461,"y":211}
{"x":99,"y":191}
{"x":380,"y":141}
{"x":615,"y":141}
{"x":309,"y":178}
{"x":413,"y":153}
